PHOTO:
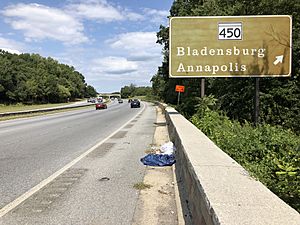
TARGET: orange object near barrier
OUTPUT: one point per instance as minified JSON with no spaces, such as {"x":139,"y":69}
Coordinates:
{"x":179,"y":88}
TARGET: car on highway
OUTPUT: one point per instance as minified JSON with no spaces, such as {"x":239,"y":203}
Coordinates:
{"x":92,"y":100}
{"x":101,"y":105}
{"x":120,"y":100}
{"x":135,"y":103}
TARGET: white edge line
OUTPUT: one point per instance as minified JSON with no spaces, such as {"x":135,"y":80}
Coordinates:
{"x":10,"y":206}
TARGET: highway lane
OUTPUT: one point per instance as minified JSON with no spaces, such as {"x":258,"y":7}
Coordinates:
{"x":34,"y":148}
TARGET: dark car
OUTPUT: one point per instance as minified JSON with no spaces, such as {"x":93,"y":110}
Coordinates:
{"x":101,"y":105}
{"x":135,"y":103}
{"x":120,"y":100}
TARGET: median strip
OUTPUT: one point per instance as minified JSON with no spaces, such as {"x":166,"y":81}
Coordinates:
{"x":43,"y":110}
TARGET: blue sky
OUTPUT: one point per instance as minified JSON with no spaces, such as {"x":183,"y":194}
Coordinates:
{"x":111,"y":42}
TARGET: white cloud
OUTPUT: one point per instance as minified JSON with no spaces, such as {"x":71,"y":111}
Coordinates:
{"x":96,"y":10}
{"x":134,"y":57}
{"x":101,"y":10}
{"x":42,"y":22}
{"x":134,"y":16}
{"x":39,"y":22}
{"x":10,"y":46}
{"x":134,"y":40}
{"x":113,"y":65}
{"x":157,"y":16}
{"x":139,"y":46}
{"x":13,"y":51}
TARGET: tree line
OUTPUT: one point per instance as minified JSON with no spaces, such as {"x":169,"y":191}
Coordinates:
{"x":132,"y":90}
{"x":31,"y":78}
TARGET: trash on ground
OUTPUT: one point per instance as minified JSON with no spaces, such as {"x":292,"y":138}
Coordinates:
{"x":104,"y":179}
{"x":158,"y":160}
{"x":167,"y":148}
{"x":163,"y":192}
{"x":164,"y":156}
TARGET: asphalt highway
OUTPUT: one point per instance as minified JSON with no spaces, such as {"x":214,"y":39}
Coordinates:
{"x":97,"y":188}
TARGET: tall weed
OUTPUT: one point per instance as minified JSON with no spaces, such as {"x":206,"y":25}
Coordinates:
{"x":269,"y":153}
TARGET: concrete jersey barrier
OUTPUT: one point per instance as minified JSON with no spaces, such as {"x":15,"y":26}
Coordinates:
{"x":216,"y":188}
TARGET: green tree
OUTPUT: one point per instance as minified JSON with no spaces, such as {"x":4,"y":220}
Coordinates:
{"x":128,"y":91}
{"x":90,"y":91}
{"x":32,"y":78}
{"x":63,"y":93}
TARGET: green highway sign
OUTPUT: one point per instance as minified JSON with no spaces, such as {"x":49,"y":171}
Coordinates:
{"x":230,"y":46}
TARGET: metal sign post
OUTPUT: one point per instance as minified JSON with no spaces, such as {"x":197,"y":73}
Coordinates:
{"x":179,"y":89}
{"x":202,"y":87}
{"x":256,"y":102}
{"x":178,"y":99}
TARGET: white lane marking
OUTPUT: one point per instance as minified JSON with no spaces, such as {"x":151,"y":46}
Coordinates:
{"x":10,"y":206}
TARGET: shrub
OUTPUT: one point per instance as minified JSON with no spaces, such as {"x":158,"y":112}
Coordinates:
{"x":269,"y":153}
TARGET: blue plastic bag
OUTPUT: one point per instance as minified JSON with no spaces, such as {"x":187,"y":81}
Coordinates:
{"x":158,"y":160}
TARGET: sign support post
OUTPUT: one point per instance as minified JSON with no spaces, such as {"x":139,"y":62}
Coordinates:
{"x":256,"y":102}
{"x":178,"y":100}
{"x":202,"y":87}
{"x":179,"y":88}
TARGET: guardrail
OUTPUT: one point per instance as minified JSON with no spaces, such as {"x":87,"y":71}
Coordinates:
{"x":43,"y":110}
{"x":216,"y":189}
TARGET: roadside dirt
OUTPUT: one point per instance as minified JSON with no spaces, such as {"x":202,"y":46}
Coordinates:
{"x":157,"y":204}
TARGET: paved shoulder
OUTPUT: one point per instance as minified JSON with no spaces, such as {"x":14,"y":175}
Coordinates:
{"x":157,"y":203}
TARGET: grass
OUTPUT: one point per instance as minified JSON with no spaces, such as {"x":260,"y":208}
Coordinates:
{"x":40,"y":113}
{"x":22,"y":107}
{"x":142,"y":186}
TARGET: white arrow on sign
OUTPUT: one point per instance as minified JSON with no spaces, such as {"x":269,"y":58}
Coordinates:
{"x":279,"y":59}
